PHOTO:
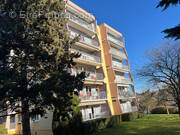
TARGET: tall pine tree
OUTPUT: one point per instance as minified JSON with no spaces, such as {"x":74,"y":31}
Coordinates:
{"x":35,"y":59}
{"x":175,"y":31}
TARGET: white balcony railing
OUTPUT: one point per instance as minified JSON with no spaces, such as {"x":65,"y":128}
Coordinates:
{"x":122,"y":94}
{"x":97,"y":112}
{"x":92,"y":96}
{"x":98,"y":116}
{"x":134,"y":108}
{"x":114,"y":40}
{"x":95,"y":77}
{"x":84,"y":39}
{"x":81,"y":22}
{"x":119,"y":65}
{"x":126,"y":107}
{"x":117,"y":53}
{"x":87,"y":57}
{"x":90,"y":75}
{"x":120,"y":79}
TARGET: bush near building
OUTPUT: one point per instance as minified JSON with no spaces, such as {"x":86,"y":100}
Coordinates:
{"x":77,"y":127}
{"x":132,"y":116}
{"x":163,"y":110}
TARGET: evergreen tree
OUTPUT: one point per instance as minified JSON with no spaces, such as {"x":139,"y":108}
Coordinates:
{"x":175,"y":31}
{"x":35,"y":59}
{"x":68,"y":126}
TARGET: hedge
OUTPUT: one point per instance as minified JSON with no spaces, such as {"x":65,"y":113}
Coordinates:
{"x":131,"y":116}
{"x":76,"y":127}
{"x":98,"y":124}
{"x":163,"y":110}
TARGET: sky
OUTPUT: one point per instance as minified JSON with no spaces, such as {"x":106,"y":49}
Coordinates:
{"x":139,"y":21}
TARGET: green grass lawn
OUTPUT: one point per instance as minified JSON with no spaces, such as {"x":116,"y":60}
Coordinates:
{"x":149,"y":125}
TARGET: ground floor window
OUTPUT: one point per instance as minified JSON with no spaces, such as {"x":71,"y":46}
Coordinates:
{"x":12,"y":122}
{"x":3,"y":120}
{"x":36,"y":118}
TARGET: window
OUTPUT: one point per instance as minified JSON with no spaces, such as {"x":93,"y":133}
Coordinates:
{"x":12,"y":122}
{"x":19,"y":118}
{"x":36,"y":118}
{"x":2,"y":120}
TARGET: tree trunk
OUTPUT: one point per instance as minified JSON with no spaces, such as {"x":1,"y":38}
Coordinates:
{"x":25,"y":119}
{"x":167,"y":109}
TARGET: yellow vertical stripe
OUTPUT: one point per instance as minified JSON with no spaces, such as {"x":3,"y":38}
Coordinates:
{"x":106,"y":80}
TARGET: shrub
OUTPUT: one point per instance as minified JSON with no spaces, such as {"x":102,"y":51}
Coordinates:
{"x":159,"y":110}
{"x":98,"y":124}
{"x":163,"y":110}
{"x":131,"y":116}
{"x":76,"y":127}
{"x":173,"y":110}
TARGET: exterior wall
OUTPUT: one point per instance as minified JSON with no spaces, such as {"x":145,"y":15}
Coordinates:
{"x":43,"y":126}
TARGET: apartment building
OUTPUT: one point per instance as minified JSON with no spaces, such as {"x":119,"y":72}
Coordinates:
{"x":108,"y":89}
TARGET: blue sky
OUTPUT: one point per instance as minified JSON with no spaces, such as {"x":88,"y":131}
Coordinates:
{"x":139,"y":21}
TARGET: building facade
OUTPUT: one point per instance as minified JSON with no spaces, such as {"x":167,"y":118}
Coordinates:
{"x":108,"y":89}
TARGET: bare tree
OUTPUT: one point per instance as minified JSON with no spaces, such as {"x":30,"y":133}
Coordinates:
{"x":163,"y":68}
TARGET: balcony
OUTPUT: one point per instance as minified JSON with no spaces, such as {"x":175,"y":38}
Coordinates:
{"x":134,"y":108}
{"x":87,"y":57}
{"x":115,"y":41}
{"x":117,"y":53}
{"x":98,"y":116}
{"x":81,"y":24}
{"x":90,"y":75}
{"x":122,"y":80}
{"x":92,"y":96}
{"x":126,"y":107}
{"x":95,"y":77}
{"x":95,"y":112}
{"x":85,"y":40}
{"x":119,"y":65}
{"x":122,"y":94}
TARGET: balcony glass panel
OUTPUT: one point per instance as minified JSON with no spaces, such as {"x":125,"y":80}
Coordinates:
{"x":134,"y":108}
{"x":122,"y":94}
{"x":74,"y":18}
{"x":126,"y":107}
{"x":88,"y":57}
{"x":119,"y":65}
{"x":93,"y":94}
{"x":84,"y":39}
{"x":115,"y":40}
{"x":117,"y":53}
{"x":120,"y":79}
{"x":95,"y":112}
